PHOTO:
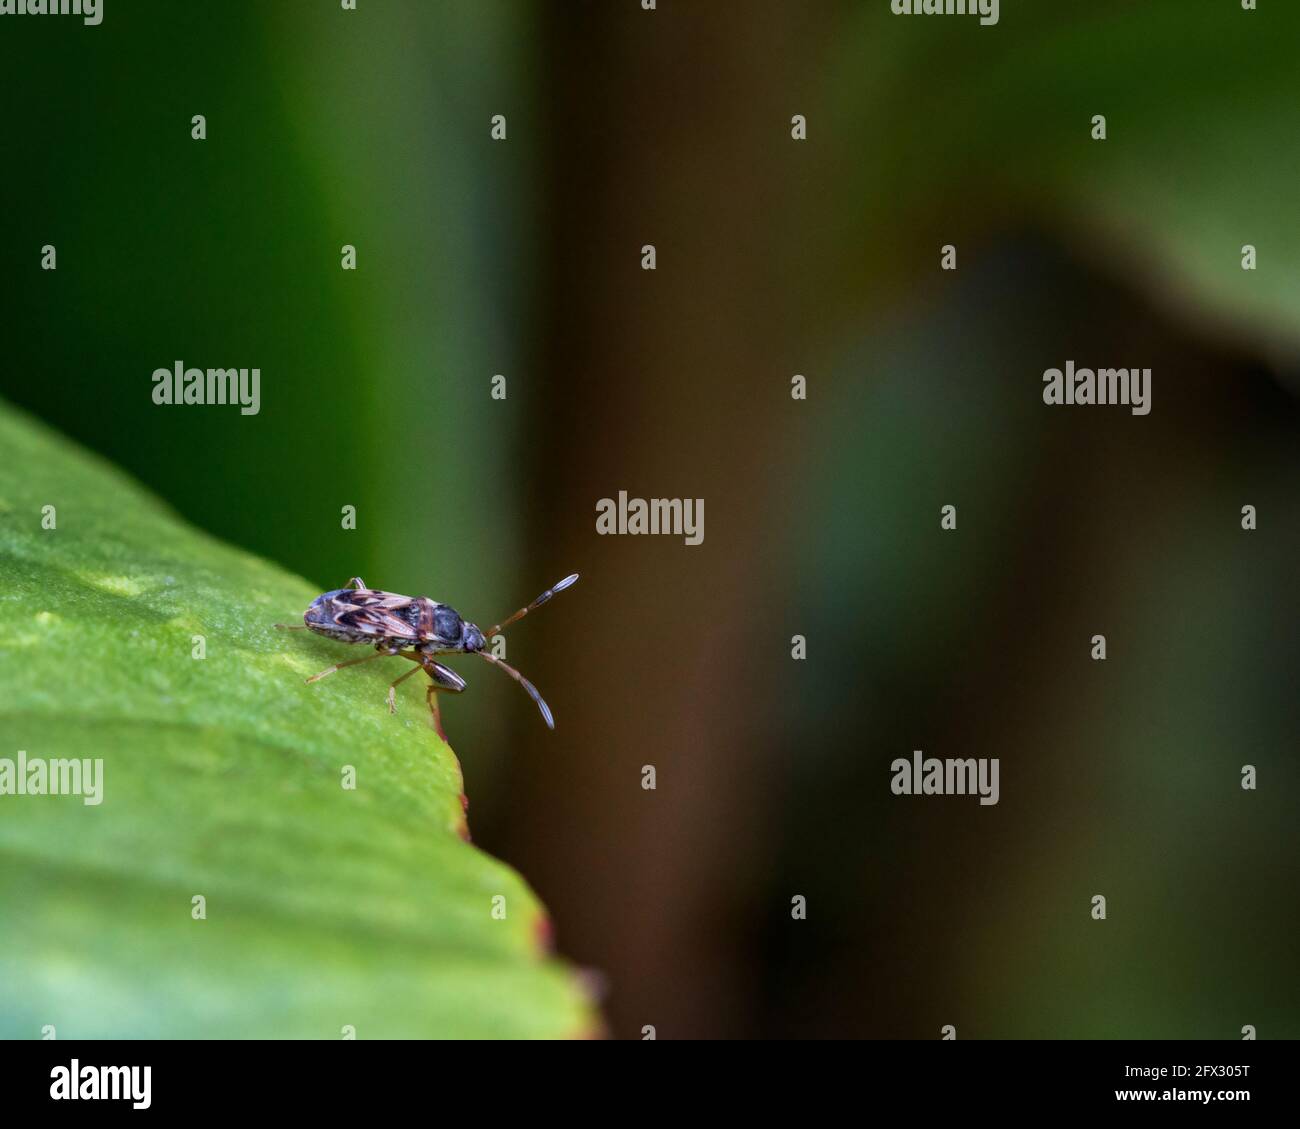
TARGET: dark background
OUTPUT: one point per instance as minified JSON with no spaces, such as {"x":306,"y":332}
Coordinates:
{"x":775,"y":257}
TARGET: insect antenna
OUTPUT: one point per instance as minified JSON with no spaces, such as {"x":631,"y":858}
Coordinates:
{"x":529,"y":688}
{"x":537,"y":603}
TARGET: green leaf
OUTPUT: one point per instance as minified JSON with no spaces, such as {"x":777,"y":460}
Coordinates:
{"x":222,"y":777}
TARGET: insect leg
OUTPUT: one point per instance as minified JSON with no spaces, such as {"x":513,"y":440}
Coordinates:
{"x":350,"y":662}
{"x":357,"y":583}
{"x":435,"y":714}
{"x":392,"y":686}
{"x":529,"y":688}
{"x":537,"y":603}
{"x":444,"y":678}
{"x":440,"y":678}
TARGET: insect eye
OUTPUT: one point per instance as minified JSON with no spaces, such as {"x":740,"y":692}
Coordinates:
{"x":446,"y":624}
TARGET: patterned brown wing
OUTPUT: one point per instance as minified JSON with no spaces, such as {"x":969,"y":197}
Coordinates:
{"x":384,"y":613}
{"x":355,"y":615}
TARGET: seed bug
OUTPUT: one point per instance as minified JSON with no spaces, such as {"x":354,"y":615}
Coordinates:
{"x":414,"y":628}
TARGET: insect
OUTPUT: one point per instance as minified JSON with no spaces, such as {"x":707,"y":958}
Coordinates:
{"x":414,"y":628}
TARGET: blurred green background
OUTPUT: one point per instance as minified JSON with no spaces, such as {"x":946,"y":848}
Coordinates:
{"x":775,"y":257}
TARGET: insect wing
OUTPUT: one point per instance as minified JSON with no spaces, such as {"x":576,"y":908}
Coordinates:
{"x":381,"y":614}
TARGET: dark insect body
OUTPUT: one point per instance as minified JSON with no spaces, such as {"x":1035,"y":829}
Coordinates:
{"x":415,"y":628}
